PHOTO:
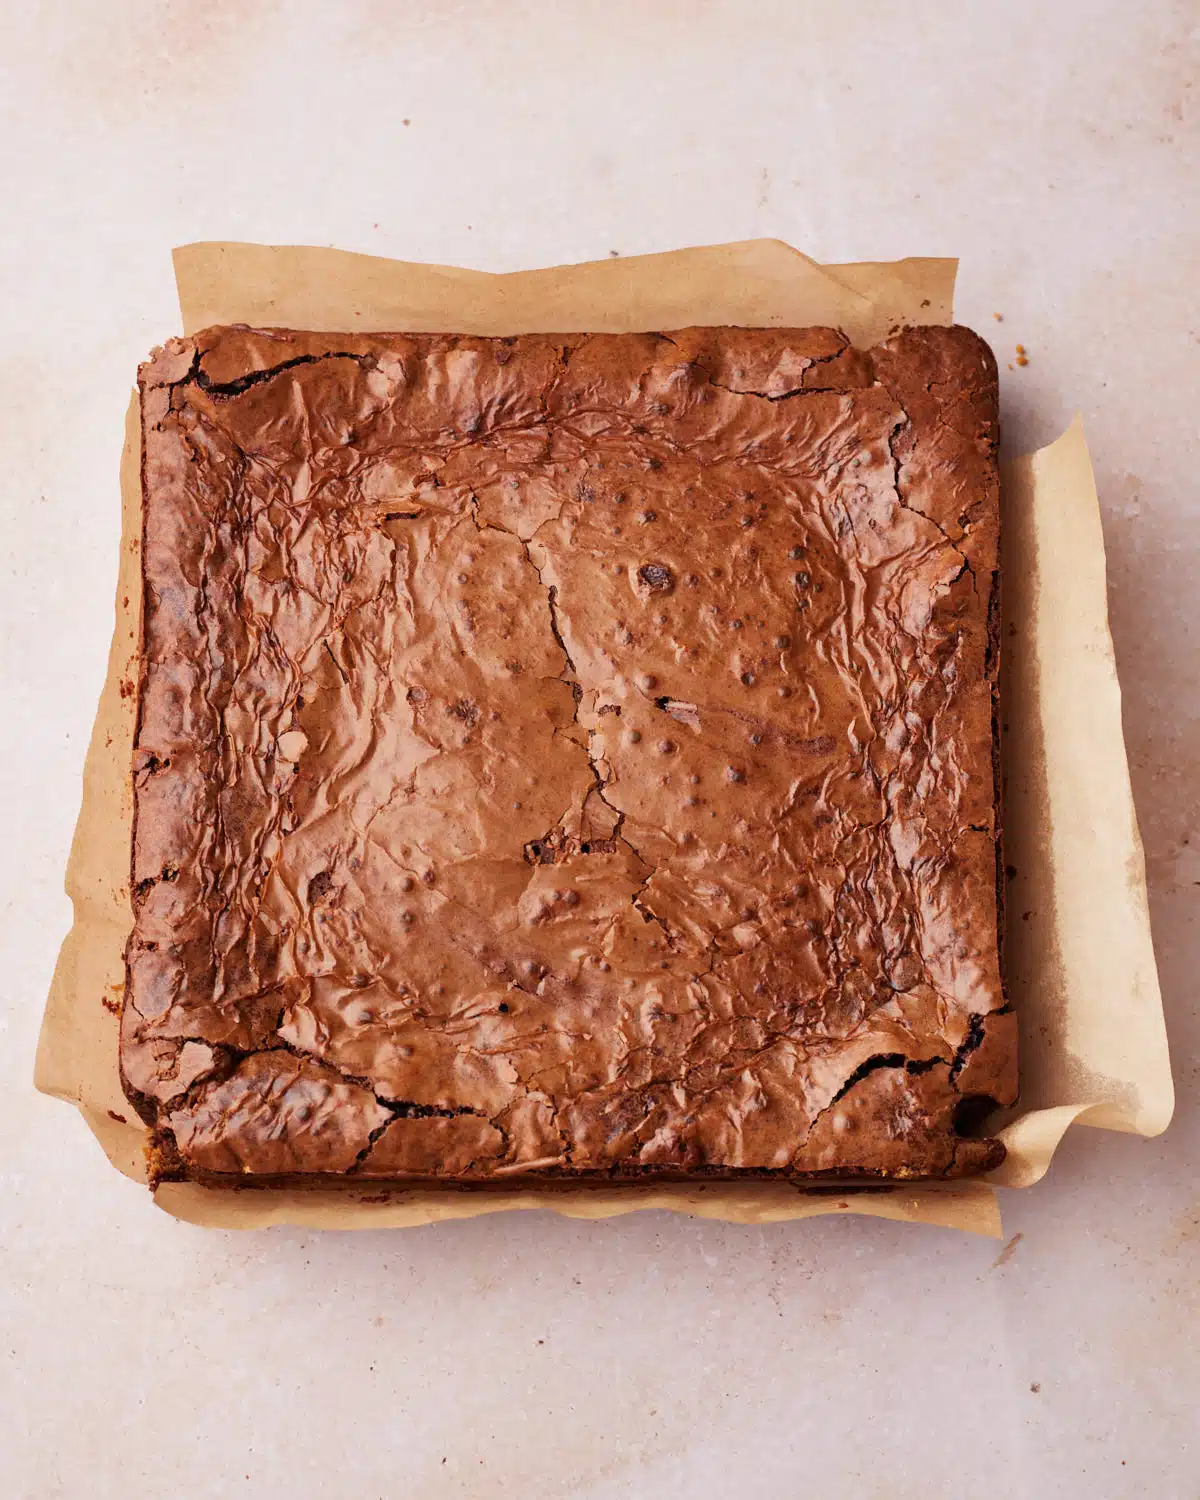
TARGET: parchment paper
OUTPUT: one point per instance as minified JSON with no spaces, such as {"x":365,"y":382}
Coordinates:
{"x":1079,"y":961}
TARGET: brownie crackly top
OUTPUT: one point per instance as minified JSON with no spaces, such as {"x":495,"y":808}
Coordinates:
{"x":567,"y":756}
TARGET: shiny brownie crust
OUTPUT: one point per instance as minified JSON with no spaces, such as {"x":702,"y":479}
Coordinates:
{"x":567,"y":758}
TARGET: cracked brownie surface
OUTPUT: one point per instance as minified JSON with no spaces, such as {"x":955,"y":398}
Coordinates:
{"x":567,"y":757}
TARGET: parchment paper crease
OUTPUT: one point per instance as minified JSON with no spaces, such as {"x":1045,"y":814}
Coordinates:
{"x":1078,"y":961}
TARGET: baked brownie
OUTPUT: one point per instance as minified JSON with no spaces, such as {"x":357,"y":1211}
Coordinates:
{"x":567,"y":758}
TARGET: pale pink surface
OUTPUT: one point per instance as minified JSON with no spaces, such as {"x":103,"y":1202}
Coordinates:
{"x":1053,"y":147}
